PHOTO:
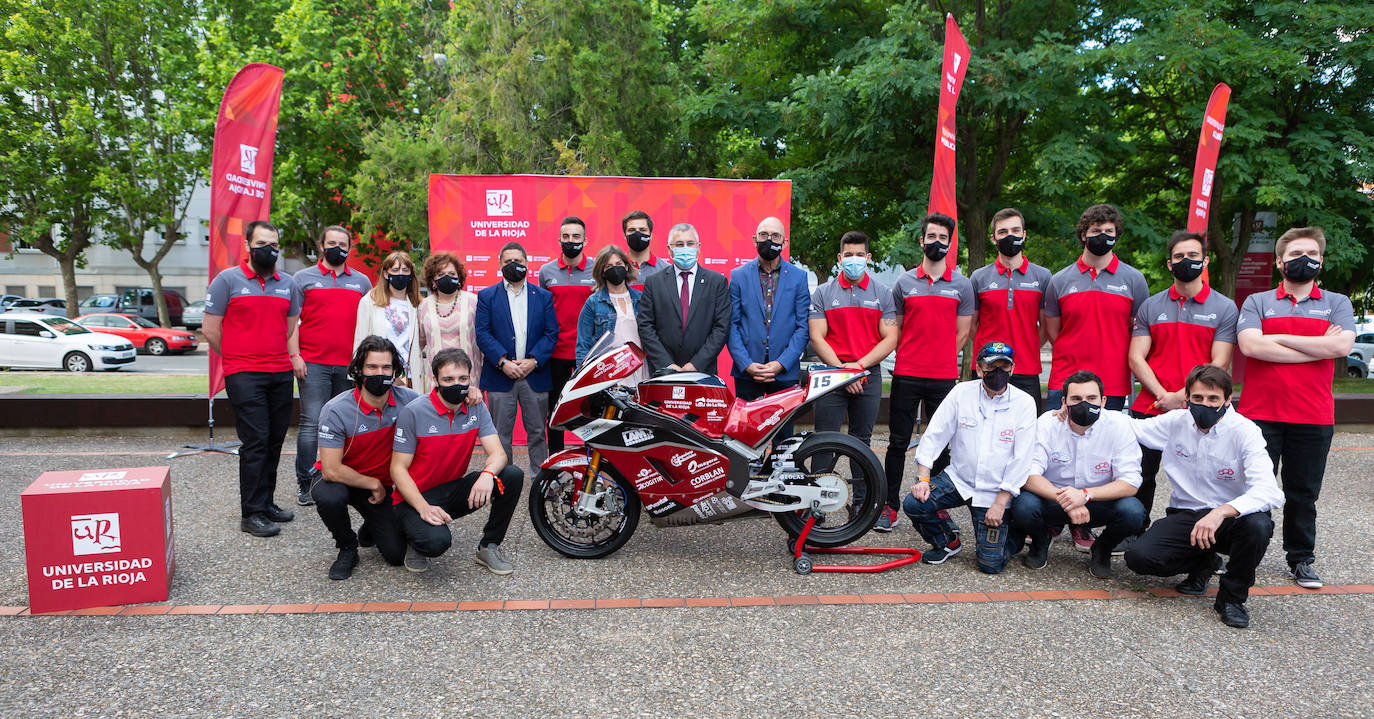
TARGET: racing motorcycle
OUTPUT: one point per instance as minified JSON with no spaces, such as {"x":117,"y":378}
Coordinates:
{"x":683,"y":448}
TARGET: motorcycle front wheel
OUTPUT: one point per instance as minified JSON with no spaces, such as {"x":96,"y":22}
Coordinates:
{"x":838,"y":454}
{"x":555,"y":517}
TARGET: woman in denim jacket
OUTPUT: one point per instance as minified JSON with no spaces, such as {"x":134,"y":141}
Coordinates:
{"x":613,"y":303}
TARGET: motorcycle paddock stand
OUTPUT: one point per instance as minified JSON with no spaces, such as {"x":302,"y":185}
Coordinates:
{"x":803,"y":564}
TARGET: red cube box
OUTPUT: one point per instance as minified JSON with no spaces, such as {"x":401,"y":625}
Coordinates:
{"x":98,"y":538}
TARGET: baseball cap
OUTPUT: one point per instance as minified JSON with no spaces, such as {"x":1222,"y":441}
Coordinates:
{"x":993,"y":351}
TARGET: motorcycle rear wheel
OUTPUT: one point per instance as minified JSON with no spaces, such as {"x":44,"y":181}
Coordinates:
{"x":554,"y":517}
{"x":854,"y":462}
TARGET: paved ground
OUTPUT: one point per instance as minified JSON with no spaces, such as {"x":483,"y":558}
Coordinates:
{"x":1305,"y":655}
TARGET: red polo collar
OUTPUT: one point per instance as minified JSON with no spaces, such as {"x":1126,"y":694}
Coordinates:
{"x":1004,"y":270}
{"x":580,"y":266}
{"x":1111,"y":266}
{"x":324,"y":269}
{"x":1201,"y":296}
{"x":846,"y":284}
{"x":250,"y":273}
{"x":367,"y":408}
{"x":921,"y":273}
{"x":1281,"y":294}
{"x":442,"y":409}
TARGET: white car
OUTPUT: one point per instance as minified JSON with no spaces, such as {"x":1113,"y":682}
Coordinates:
{"x":1364,"y":347}
{"x":35,"y":341}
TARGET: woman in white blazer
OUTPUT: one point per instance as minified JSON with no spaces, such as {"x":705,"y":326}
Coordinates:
{"x":389,"y":311}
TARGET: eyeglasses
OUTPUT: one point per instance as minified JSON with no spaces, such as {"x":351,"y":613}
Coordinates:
{"x":770,"y":236}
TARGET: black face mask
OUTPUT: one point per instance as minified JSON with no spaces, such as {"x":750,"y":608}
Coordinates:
{"x":265,"y":257}
{"x":399,"y":282}
{"x":1187,"y":270}
{"x":996,"y":379}
{"x":935,"y":251}
{"x":638,"y":241}
{"x":377,"y":384}
{"x":572,"y":249}
{"x":1084,"y":414}
{"x":447,"y":284}
{"x":768,"y":251}
{"x":514,"y":272}
{"x":1302,"y":269}
{"x":1206,"y":417}
{"x":1010,"y":245}
{"x":1100,"y":244}
{"x":454,"y":393}
{"x":335,"y":256}
{"x":615,"y":274}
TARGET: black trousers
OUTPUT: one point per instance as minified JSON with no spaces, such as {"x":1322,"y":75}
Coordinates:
{"x":747,"y":389}
{"x":561,"y":371}
{"x":1299,"y":454}
{"x":1030,"y":384}
{"x":332,"y":500}
{"x":1149,"y":469}
{"x":262,"y":414}
{"x":907,"y":394}
{"x":1165,"y":550}
{"x":432,"y":541}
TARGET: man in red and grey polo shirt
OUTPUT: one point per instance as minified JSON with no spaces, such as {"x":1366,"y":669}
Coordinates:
{"x":853,"y":323}
{"x":1292,"y":337}
{"x":433,"y":445}
{"x":1187,"y":325}
{"x":569,"y":278}
{"x":1090,"y":308}
{"x":934,"y":304}
{"x":1009,"y":296}
{"x":638,"y":229}
{"x":250,"y":311}
{"x":356,"y":431}
{"x":328,"y":294}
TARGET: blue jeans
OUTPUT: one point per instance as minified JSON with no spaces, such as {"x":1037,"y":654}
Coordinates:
{"x":1033,"y":515}
{"x":322,"y":382}
{"x":1055,"y":399}
{"x":993,"y":542}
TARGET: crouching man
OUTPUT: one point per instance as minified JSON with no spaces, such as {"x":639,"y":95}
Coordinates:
{"x":1083,"y":472}
{"x":989,"y":427}
{"x":434,"y":439}
{"x":1223,"y":492}
{"x":355,"y":438}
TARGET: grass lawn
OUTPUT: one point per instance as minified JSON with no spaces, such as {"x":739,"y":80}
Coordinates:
{"x":127,"y":383}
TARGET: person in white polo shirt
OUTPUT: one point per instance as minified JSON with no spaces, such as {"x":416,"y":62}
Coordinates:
{"x":1085,"y":471}
{"x":1224,"y":490}
{"x":989,"y":427}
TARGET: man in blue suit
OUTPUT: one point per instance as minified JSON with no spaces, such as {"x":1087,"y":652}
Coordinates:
{"x":770,"y":303}
{"x":517,"y":330}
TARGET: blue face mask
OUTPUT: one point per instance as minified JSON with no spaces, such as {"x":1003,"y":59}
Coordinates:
{"x":685,"y":257}
{"x":854,"y":267}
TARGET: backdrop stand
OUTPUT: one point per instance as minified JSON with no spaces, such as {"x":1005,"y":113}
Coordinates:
{"x":189,"y":449}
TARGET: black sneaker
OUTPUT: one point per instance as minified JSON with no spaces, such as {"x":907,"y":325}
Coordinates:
{"x":1039,"y":553}
{"x":342,"y":568}
{"x":1100,"y":563}
{"x":365,"y":538}
{"x":938,"y":555}
{"x":1302,"y":574}
{"x":1196,"y":583}
{"x":258,"y":525}
{"x":277,"y":514}
{"x":1232,"y":614}
{"x":303,"y":497}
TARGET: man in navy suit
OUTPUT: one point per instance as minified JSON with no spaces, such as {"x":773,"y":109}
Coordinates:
{"x":684,"y":313}
{"x":517,"y":330}
{"x":769,"y":306}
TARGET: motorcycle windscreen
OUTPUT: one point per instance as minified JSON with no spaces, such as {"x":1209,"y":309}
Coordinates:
{"x":607,"y":363}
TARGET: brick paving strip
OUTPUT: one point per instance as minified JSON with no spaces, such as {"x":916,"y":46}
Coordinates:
{"x":670,"y":602}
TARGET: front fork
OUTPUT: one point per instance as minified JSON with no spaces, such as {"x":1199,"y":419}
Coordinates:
{"x":595,"y":460}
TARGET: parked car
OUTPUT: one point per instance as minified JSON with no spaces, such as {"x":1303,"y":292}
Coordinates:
{"x":1356,"y":367}
{"x":98,"y":303}
{"x":144,"y":335}
{"x":41,"y":305}
{"x":194,"y":315}
{"x":139,"y":301}
{"x":1364,"y":347}
{"x":39,"y":341}
{"x":7,"y":300}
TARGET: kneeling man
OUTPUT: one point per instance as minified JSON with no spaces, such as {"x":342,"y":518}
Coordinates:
{"x":990,"y":430}
{"x":1223,"y":492}
{"x":355,"y":437}
{"x":1084,"y":472}
{"x":435,"y":435}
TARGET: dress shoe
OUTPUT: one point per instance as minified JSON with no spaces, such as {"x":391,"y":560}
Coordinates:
{"x":258,"y":525}
{"x":342,"y":568}
{"x":1195,"y":584}
{"x":1232,"y":614}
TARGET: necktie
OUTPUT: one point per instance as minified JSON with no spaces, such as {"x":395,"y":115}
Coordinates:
{"x":685,"y":296}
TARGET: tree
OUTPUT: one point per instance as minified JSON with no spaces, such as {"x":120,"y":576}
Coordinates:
{"x":50,"y":131}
